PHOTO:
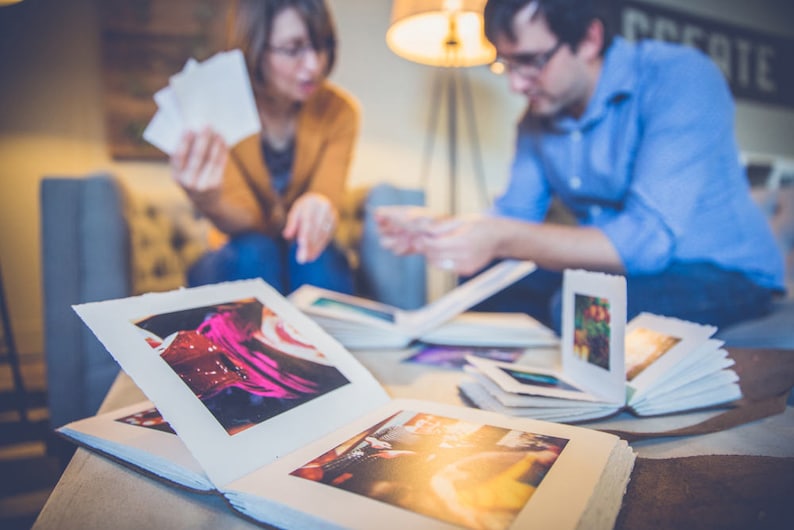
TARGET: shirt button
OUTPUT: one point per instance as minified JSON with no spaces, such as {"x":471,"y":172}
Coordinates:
{"x":595,"y":211}
{"x":576,"y":136}
{"x":575,"y":183}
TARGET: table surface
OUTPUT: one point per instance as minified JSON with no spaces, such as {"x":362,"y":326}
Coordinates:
{"x":96,"y":492}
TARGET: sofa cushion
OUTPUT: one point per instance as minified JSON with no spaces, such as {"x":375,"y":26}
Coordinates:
{"x":166,"y":234}
{"x":399,"y":281}
{"x":775,"y":330}
{"x":84,"y":259}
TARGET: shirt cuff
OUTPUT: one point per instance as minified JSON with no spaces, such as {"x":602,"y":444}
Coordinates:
{"x":644,"y":243}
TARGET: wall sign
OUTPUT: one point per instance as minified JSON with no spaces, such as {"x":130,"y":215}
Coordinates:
{"x":756,"y":65}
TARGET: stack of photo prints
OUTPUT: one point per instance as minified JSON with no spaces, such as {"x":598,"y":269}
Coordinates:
{"x":216,"y":93}
{"x":650,"y":366}
{"x":252,"y":400}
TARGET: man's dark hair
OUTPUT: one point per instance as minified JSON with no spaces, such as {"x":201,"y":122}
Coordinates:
{"x":568,"y":19}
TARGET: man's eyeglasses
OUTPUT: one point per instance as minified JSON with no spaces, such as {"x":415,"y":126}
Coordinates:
{"x":527,"y":64}
{"x":299,"y":51}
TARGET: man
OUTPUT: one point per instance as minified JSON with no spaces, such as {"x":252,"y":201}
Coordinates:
{"x":637,"y":140}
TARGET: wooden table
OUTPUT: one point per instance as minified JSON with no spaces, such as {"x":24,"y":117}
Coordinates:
{"x":97,"y":493}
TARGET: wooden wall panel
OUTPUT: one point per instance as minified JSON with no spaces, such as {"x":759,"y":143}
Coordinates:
{"x":144,"y":42}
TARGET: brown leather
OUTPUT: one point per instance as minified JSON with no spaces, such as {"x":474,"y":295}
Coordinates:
{"x":710,"y":492}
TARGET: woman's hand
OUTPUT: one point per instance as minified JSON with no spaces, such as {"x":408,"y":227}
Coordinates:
{"x":311,"y":222}
{"x":198,"y":164}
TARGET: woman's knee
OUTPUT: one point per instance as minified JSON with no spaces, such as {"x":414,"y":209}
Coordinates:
{"x":242,"y":257}
{"x":331,"y":270}
{"x":254,"y":246}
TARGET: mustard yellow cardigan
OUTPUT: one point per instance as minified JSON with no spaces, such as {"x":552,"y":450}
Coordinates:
{"x":326,"y":132}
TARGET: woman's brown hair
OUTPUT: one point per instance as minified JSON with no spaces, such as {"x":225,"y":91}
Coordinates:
{"x":251,"y":24}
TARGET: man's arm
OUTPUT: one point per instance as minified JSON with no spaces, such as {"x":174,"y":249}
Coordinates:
{"x":685,"y":173}
{"x":466,"y":245}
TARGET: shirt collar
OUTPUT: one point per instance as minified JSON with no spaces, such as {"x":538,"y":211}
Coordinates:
{"x":617,"y":80}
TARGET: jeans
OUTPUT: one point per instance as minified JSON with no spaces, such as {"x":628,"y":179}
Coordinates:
{"x":255,"y":255}
{"x":697,"y":292}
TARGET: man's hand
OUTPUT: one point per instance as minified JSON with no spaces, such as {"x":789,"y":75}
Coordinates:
{"x":466,"y":244}
{"x":461,"y":244}
{"x":311,"y":222}
{"x":402,"y":227}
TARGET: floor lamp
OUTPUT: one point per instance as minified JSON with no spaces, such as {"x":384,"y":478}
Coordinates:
{"x":447,"y":34}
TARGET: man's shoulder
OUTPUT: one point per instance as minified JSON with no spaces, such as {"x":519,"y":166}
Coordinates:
{"x":668,"y":71}
{"x":655,"y":57}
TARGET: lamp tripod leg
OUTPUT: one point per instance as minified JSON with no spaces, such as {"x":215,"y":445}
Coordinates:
{"x":452,"y":83}
{"x":432,"y":126}
{"x":474,"y":140}
{"x":452,"y":137}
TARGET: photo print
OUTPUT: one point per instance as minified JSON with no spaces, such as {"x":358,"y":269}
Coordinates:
{"x":472,"y":475}
{"x":643,"y":347}
{"x":526,"y":377}
{"x":593,"y":333}
{"x":592,"y":329}
{"x":454,"y":357}
{"x":244,"y":362}
{"x":149,"y":418}
{"x":350,"y":307}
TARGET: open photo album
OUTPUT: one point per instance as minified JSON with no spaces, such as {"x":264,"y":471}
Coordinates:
{"x":649,"y":366}
{"x":359,"y":323}
{"x":249,"y":398}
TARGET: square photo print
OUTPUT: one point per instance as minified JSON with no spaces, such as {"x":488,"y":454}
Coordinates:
{"x":244,"y":362}
{"x":472,"y":475}
{"x":593,"y":331}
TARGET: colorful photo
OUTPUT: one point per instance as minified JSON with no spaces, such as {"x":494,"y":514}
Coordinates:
{"x":592,"y":330}
{"x":444,"y":356}
{"x":149,"y":418}
{"x":643,"y":347}
{"x":243,"y":361}
{"x":353,"y":308}
{"x":536,"y":379}
{"x":471,"y":475}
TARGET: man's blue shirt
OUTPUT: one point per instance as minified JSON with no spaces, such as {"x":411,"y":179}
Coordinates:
{"x":653,"y":163}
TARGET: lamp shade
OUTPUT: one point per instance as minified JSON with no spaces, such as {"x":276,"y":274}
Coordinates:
{"x":439,"y":32}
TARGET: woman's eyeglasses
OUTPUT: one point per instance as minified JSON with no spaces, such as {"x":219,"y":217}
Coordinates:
{"x":300,"y":50}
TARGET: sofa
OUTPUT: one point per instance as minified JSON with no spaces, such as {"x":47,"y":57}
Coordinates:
{"x":105,"y":236}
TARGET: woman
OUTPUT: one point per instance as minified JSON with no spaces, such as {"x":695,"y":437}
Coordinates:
{"x":277,"y":195}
